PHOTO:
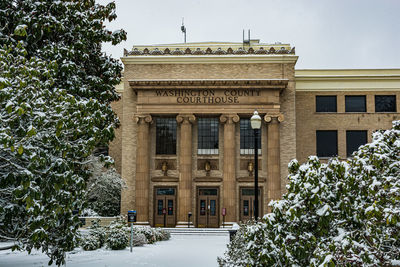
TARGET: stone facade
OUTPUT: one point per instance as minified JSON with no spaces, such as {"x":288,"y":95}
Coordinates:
{"x":225,"y":81}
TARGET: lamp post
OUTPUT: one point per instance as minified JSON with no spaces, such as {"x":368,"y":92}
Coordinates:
{"x":255,"y":122}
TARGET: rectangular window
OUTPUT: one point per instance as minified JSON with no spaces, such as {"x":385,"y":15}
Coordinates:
{"x":385,"y":103}
{"x":165,"y":136}
{"x":247,"y":138}
{"x":207,"y":136}
{"x":356,"y":103}
{"x":327,"y":145}
{"x":355,"y":139}
{"x":325,"y":103}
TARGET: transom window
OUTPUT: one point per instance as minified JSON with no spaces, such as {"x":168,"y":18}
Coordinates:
{"x":385,"y":103}
{"x":247,"y":138}
{"x":355,"y":139}
{"x":207,"y":136}
{"x":356,"y":103}
{"x":325,"y":103}
{"x":165,"y":136}
{"x":327,"y":144}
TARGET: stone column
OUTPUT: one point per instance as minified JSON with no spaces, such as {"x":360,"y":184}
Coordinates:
{"x":185,"y":168}
{"x":229,"y":182}
{"x":273,"y":156}
{"x":142,"y":169}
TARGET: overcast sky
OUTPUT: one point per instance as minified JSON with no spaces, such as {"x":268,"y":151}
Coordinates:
{"x":326,"y":33}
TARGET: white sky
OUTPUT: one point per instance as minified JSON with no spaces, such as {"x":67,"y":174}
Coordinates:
{"x":326,"y":33}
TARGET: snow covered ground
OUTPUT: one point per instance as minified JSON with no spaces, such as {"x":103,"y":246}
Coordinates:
{"x":180,"y":250}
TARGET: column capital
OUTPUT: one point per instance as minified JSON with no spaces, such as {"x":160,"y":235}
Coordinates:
{"x":229,"y":118}
{"x":270,"y":116}
{"x":185,"y":118}
{"x":143,"y":118}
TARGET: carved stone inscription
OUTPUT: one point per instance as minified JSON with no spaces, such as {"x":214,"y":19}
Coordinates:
{"x":207,"y":96}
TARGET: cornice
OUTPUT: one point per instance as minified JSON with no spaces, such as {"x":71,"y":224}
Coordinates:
{"x":211,"y":59}
{"x":209,"y":83}
{"x":179,"y":51}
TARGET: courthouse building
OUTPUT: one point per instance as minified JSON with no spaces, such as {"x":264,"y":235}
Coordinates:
{"x":185,"y":144}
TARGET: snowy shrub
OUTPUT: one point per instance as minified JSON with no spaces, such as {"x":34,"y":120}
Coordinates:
{"x":138,"y":240}
{"x":90,"y":242}
{"x":104,"y":188}
{"x":162,"y":235}
{"x":117,"y":238}
{"x":148,"y":232}
{"x":98,"y":231}
{"x":88,"y":212}
{"x":344,"y":213}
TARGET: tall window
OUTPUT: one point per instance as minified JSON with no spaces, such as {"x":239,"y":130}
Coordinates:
{"x":356,"y":103}
{"x":207,"y":136}
{"x":385,"y":103}
{"x":325,"y":103}
{"x":327,"y":144}
{"x":247,"y":138}
{"x":165,"y":136}
{"x":355,"y":139}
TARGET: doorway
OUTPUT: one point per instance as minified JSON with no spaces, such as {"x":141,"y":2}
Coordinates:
{"x":247,"y":204}
{"x":165,"y":207}
{"x":208,"y":207}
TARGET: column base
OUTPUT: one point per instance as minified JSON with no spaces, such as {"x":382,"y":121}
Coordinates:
{"x":184,"y":225}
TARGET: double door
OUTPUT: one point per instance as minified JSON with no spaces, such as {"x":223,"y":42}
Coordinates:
{"x":247,"y":204}
{"x":165,"y":207}
{"x":207,"y":207}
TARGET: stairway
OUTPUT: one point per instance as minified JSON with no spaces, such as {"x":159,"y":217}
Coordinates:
{"x":198,"y":231}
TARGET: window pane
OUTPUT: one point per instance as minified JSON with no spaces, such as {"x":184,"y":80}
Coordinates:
{"x":170,"y":207}
{"x":202,"y":207}
{"x":356,"y":103}
{"x":385,"y":103}
{"x":245,"y":207}
{"x":208,"y":192}
{"x":165,"y":191}
{"x":325,"y":104}
{"x":165,"y":136}
{"x":354,"y":139}
{"x":213,"y":209}
{"x":247,"y":138}
{"x":208,"y":136}
{"x":326,"y":143}
{"x":160,"y":206}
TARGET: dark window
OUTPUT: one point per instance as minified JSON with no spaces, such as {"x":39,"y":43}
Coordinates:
{"x":160,"y":206}
{"x":327,"y":143}
{"x":355,"y":139}
{"x":325,"y":104}
{"x":356,"y":103}
{"x":208,"y":192}
{"x":247,"y":138}
{"x":165,"y":191}
{"x":165,"y":136}
{"x":385,"y":103}
{"x":208,"y":136}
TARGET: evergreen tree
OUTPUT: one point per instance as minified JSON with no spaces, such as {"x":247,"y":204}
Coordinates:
{"x":56,"y":87}
{"x":343,"y":213}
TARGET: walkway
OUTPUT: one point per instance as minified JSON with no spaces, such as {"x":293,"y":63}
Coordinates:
{"x":181,"y":250}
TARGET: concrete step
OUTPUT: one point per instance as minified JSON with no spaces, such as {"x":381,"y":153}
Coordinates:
{"x":198,"y":231}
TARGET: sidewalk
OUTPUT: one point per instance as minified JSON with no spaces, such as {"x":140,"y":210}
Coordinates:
{"x":180,"y":250}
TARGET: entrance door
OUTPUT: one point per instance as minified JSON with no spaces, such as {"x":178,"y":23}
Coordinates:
{"x":247,"y":204}
{"x":165,"y":207}
{"x":207,"y":207}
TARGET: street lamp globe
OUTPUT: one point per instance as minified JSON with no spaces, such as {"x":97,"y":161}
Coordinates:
{"x":255,"y":120}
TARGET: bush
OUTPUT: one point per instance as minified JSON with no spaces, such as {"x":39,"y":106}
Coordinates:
{"x":139,"y":240}
{"x":117,"y":238}
{"x":98,"y":231}
{"x":162,"y":235}
{"x":90,"y":242}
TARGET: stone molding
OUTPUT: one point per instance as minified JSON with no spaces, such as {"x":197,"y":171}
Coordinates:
{"x":185,"y":118}
{"x":209,"y":51}
{"x":209,"y":83}
{"x":143,"y":118}
{"x":229,"y":118}
{"x":269,"y":117}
